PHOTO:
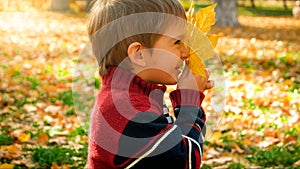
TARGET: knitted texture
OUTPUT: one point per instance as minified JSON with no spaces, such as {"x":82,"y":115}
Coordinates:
{"x":128,"y":128}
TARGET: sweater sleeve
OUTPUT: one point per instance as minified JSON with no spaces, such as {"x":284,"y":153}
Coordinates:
{"x":150,"y":141}
{"x":187,"y":98}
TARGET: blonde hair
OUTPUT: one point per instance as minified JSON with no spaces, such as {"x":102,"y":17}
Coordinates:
{"x":101,"y":33}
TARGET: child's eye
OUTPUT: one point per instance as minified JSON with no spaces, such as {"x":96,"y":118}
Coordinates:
{"x":177,"y":42}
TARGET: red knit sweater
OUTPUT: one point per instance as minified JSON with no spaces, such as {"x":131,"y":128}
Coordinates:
{"x":129,"y":129}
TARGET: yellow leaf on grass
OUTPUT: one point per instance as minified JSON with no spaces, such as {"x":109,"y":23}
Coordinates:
{"x":216,"y":137}
{"x":23,"y":137}
{"x":6,"y":166}
{"x":206,"y":18}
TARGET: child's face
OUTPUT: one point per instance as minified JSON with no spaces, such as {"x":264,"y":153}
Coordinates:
{"x":166,"y":59}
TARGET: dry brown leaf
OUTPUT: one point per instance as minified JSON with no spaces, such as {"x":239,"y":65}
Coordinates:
{"x":296,"y":164}
{"x":237,"y":147}
{"x":27,"y":162}
{"x":52,"y":109}
{"x":42,"y":139}
{"x":54,"y":166}
{"x":29,"y":108}
{"x":288,"y":139}
{"x":11,"y":151}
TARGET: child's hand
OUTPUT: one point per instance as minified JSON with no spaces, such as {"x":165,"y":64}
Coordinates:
{"x":210,"y":84}
{"x":188,"y":80}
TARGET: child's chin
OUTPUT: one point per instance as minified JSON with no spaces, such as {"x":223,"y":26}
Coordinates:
{"x":173,"y":82}
{"x":169,"y":80}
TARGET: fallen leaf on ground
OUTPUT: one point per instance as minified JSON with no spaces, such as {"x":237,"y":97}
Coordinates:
{"x":6,"y":166}
{"x":23,"y":137}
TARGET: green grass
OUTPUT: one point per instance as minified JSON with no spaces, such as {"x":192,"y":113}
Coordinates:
{"x":34,"y":82}
{"x":44,"y":157}
{"x":228,"y":143}
{"x":264,"y":11}
{"x":5,"y":139}
{"x":79,"y":131}
{"x":248,"y":10}
{"x":66,"y":97}
{"x":205,"y":166}
{"x":284,"y":156}
{"x":236,"y":166}
{"x":197,"y":6}
{"x":70,"y":111}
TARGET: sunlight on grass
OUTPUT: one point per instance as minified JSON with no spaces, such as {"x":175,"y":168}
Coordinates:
{"x":264,"y":11}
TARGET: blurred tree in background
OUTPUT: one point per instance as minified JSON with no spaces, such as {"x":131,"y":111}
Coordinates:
{"x":226,"y":13}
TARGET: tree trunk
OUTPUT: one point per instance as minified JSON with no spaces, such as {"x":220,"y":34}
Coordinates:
{"x":252,"y":3}
{"x":226,"y":13}
{"x":285,"y":5}
{"x":59,"y":5}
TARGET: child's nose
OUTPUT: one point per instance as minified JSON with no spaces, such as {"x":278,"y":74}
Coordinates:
{"x":185,"y":52}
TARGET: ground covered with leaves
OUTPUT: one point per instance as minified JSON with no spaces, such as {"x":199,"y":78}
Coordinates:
{"x":39,"y":127}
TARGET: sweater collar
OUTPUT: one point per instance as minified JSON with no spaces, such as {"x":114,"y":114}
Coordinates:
{"x":122,"y":79}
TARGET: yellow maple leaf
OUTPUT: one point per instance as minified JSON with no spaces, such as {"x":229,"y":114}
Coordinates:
{"x":206,"y":18}
{"x":213,"y":38}
{"x":191,"y":14}
{"x":196,"y":65}
{"x":201,"y":46}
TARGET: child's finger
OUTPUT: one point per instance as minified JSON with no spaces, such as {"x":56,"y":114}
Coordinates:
{"x":210,"y":84}
{"x":207,"y":72}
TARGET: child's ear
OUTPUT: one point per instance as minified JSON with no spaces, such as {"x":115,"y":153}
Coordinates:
{"x":135,"y":54}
